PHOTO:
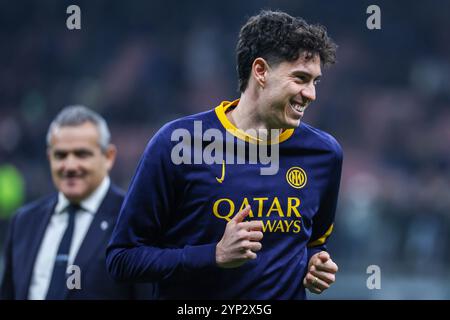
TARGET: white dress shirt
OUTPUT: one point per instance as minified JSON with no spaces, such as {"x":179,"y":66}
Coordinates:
{"x":45,"y":260}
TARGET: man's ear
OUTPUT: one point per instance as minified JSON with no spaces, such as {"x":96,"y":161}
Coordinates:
{"x":110,"y":155}
{"x":260,"y":68}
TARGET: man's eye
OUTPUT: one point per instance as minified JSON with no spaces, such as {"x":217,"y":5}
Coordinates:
{"x":82,"y":154}
{"x":316,"y":82}
{"x":59,"y":155}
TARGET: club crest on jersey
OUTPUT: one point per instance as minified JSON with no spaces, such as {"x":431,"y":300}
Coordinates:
{"x":296,"y":177}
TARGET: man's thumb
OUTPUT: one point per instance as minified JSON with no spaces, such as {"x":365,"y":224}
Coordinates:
{"x":324,"y":256}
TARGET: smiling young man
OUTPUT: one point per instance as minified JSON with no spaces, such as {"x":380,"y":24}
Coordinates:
{"x":65,"y":235}
{"x":223,"y":230}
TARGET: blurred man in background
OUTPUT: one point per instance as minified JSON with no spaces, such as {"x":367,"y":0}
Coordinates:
{"x":56,"y":245}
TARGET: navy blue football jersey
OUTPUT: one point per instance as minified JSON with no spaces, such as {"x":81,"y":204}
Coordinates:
{"x":175,"y":213}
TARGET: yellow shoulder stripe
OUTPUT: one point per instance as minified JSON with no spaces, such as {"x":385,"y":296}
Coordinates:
{"x":322,"y":239}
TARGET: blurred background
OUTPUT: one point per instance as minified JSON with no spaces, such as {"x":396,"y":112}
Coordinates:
{"x":143,"y":63}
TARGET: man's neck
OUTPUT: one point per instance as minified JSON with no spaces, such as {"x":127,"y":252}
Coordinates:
{"x":246,"y":116}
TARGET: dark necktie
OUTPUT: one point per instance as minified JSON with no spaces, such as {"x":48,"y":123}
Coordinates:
{"x":58,"y":286}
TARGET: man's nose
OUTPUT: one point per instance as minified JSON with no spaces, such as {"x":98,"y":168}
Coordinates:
{"x":71,"y":162}
{"x":309,"y":92}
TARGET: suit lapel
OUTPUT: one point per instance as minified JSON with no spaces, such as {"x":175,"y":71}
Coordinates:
{"x":99,"y":230}
{"x":37,"y":226}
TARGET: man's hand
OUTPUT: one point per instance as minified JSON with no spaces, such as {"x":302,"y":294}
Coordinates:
{"x":240,"y":241}
{"x":321,"y":273}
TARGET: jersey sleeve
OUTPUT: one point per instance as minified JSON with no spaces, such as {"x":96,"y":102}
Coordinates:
{"x":323,"y":221}
{"x":134,"y":252}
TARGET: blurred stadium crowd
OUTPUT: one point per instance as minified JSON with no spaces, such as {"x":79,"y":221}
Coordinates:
{"x":143,"y":63}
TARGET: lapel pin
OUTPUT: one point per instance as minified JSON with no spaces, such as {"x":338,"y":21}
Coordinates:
{"x":104,"y":225}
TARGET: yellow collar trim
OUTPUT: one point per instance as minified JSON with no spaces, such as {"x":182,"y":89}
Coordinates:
{"x":222,"y":109}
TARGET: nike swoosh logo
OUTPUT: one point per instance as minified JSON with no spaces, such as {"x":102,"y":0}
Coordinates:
{"x":223,"y":173}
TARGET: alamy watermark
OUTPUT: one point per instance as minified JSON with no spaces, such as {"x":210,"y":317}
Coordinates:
{"x":374,"y":20}
{"x":374,"y":280}
{"x":73,"y":280}
{"x":73,"y":21}
{"x":212,"y":146}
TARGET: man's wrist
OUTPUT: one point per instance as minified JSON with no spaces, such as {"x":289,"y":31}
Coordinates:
{"x":219,"y":255}
{"x":197,"y":257}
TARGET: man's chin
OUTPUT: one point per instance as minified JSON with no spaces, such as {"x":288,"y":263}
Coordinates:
{"x":73,"y":195}
{"x":292,"y":124}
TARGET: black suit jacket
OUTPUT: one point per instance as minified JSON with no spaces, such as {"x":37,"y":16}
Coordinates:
{"x":26,"y":232}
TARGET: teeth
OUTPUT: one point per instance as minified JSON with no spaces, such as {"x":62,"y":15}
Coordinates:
{"x":298,"y":107}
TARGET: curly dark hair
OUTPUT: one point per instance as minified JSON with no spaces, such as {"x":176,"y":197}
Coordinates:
{"x":276,"y":36}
